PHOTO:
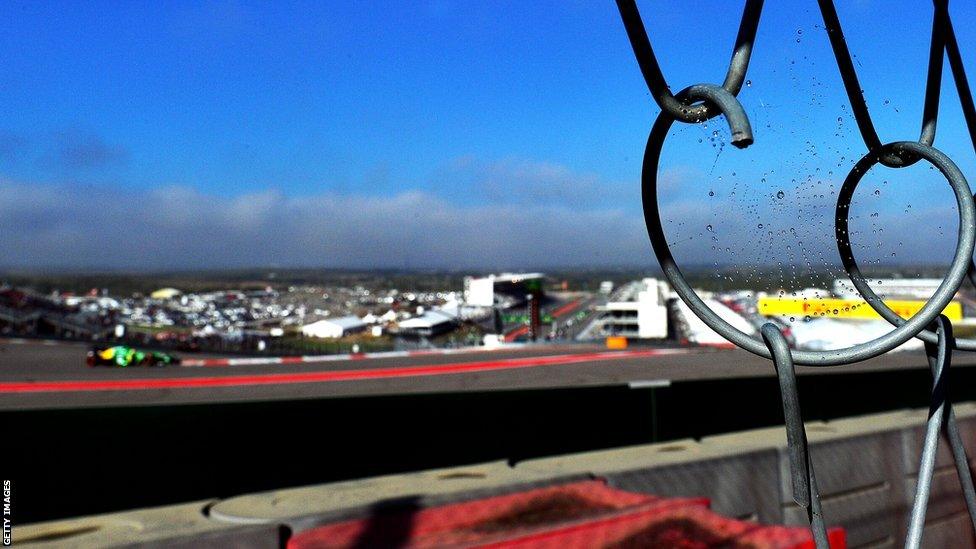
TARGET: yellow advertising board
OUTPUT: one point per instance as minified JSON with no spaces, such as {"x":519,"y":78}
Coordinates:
{"x":845,"y":308}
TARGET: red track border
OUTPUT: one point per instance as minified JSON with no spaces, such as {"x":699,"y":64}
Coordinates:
{"x":320,"y":377}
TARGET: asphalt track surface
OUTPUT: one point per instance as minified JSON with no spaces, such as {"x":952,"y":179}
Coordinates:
{"x":38,"y":375}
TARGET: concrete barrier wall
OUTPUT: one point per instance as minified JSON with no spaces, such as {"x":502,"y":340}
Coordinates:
{"x":866,"y":468}
{"x":176,"y":526}
{"x":857,"y":475}
{"x":302,"y":508}
{"x":742,"y":483}
{"x":947,"y":509}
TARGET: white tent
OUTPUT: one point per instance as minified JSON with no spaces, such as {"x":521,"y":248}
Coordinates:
{"x":699,"y":332}
{"x":822,"y":334}
{"x":334,"y":327}
{"x":429,"y":323}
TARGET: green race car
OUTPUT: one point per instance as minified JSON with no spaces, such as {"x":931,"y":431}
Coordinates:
{"x":125,"y":356}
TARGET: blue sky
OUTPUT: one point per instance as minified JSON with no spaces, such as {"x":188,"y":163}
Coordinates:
{"x":445,"y":134}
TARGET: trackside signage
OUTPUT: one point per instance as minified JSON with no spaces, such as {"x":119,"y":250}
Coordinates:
{"x":845,"y":308}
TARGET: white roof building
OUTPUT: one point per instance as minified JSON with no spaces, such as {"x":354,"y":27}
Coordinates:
{"x":481,"y":291}
{"x":639,"y":311}
{"x":334,"y":327}
{"x":430,"y":323}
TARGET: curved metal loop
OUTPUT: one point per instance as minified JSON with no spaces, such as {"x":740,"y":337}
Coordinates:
{"x":805,"y":492}
{"x":673,"y":104}
{"x":856,"y":353}
{"x":962,"y":261}
{"x":724,"y":103}
{"x":939,"y":356}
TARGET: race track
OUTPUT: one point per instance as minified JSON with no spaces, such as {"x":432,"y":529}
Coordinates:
{"x":35,"y":374}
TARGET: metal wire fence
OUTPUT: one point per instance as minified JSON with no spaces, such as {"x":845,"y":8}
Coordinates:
{"x":701,"y":102}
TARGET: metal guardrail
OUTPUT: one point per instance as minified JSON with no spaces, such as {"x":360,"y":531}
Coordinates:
{"x":701,"y":102}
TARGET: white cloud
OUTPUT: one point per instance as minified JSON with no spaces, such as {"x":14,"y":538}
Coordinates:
{"x":559,"y":219}
{"x":516,"y":180}
{"x":179,"y":227}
